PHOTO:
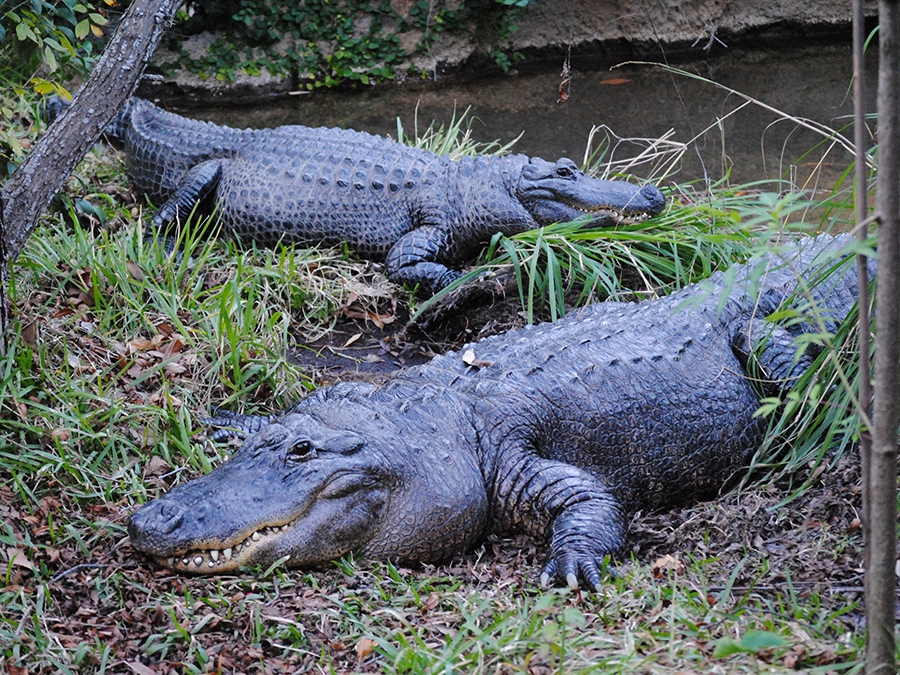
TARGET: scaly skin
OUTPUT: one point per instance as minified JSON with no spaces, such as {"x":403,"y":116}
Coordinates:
{"x":423,"y":215}
{"x":561,"y":431}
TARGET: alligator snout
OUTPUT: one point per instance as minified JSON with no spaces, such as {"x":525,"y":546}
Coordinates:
{"x":153,"y":522}
{"x":652,"y":200}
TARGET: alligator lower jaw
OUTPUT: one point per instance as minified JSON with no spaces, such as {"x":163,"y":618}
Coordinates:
{"x":613,"y":214}
{"x":213,"y":561}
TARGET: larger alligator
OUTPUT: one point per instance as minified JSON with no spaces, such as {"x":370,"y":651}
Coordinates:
{"x":420,"y":213}
{"x":559,"y":430}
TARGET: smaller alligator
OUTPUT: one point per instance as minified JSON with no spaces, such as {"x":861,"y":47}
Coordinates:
{"x":559,"y":430}
{"x":422,"y":214}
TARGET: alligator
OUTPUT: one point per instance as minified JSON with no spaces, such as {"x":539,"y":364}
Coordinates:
{"x":421,"y":214}
{"x":559,"y":430}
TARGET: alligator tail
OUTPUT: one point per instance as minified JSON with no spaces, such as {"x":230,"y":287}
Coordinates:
{"x":54,"y":107}
{"x":115,"y":132}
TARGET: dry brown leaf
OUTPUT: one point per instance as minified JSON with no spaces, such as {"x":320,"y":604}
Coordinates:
{"x":60,"y":434}
{"x":174,"y":368}
{"x":364,"y":647}
{"x":29,"y":333}
{"x":138,"y":344}
{"x":795,"y":657}
{"x":381,"y":320}
{"x":157,"y":466}
{"x":135,"y":270}
{"x":667,"y":562}
{"x":17,"y":558}
{"x":140,"y":669}
{"x":430,"y":603}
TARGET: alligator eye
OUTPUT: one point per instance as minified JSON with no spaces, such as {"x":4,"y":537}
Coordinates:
{"x":302,"y":450}
{"x":564,"y":172}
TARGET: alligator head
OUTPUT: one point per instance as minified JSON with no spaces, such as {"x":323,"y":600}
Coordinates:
{"x":561,"y":192}
{"x":312,"y":487}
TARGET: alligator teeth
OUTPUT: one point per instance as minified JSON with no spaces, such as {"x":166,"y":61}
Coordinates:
{"x":210,"y":557}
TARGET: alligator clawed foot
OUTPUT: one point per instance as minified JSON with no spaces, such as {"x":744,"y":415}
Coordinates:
{"x":228,"y":424}
{"x":484,"y":288}
{"x":162,"y":247}
{"x":574,"y":566}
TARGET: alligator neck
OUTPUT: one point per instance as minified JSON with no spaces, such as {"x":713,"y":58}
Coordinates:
{"x":481,"y":191}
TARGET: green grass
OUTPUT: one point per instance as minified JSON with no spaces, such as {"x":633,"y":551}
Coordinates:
{"x":116,"y":352}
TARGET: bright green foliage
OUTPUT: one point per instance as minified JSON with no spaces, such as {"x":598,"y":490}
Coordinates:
{"x":754,"y":641}
{"x":42,"y":44}
{"x":326,"y":43}
{"x":52,"y":34}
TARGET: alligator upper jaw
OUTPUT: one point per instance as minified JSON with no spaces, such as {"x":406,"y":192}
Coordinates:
{"x":254,"y":548}
{"x":547,"y":210}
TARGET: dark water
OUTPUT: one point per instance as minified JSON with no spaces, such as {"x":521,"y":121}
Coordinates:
{"x":634,"y":101}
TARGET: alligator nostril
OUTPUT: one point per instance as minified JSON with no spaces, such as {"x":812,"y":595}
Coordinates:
{"x":654,"y":197}
{"x":172,"y":516}
{"x":157,"y":516}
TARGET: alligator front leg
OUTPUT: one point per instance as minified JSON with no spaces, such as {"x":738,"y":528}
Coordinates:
{"x":227,"y":424}
{"x":413,"y":260}
{"x":193,"y":188}
{"x":584,"y":520}
{"x":770,"y":353}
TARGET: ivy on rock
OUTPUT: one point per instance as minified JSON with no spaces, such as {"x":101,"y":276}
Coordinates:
{"x":329,"y":42}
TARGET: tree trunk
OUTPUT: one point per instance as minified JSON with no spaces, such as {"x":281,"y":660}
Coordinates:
{"x":880,"y":575}
{"x":863,"y":324}
{"x":113,"y":80}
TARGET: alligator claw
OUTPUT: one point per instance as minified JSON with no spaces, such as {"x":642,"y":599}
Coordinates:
{"x":229,"y":424}
{"x":162,"y":247}
{"x":575,"y":565}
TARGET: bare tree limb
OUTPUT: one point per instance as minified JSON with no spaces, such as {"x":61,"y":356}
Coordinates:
{"x":880,"y":575}
{"x":861,"y":180}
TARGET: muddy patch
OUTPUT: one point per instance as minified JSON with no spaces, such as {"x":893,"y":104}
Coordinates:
{"x":371,"y":343}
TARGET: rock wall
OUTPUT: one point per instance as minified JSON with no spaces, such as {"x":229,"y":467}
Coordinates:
{"x":674,"y":22}
{"x":606,"y":31}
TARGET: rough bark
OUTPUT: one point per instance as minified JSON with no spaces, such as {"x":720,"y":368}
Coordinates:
{"x":62,"y":147}
{"x":880,"y":575}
